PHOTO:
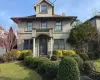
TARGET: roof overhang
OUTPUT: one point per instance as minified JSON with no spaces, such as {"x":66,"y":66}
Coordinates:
{"x":29,"y":19}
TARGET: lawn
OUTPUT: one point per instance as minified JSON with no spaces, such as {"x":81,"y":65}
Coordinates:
{"x":97,"y":65}
{"x":16,"y":71}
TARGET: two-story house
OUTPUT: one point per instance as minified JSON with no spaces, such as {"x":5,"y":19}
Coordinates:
{"x":45,"y":31}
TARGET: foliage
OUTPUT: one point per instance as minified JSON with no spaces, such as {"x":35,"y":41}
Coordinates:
{"x":68,"y":52}
{"x":2,"y":60}
{"x":58,"y":53}
{"x":9,"y":41}
{"x":80,"y":62}
{"x":68,"y":69}
{"x":54,"y":57}
{"x":84,"y":56}
{"x":81,"y":34}
{"x":24,"y":53}
{"x":88,"y":67}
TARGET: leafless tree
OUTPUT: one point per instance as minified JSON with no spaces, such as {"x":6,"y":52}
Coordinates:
{"x":9,"y":41}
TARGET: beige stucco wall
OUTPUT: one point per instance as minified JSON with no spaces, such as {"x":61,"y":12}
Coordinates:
{"x":38,"y":14}
{"x":98,"y":24}
{"x":64,"y":34}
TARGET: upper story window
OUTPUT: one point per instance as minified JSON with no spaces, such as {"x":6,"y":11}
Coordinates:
{"x":44,"y":25}
{"x":29,"y":26}
{"x":58,"y":26}
{"x":43,"y":8}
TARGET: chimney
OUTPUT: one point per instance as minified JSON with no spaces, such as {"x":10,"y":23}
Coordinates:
{"x":63,"y":14}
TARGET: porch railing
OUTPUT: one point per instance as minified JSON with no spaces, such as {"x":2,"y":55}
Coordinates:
{"x":42,"y":30}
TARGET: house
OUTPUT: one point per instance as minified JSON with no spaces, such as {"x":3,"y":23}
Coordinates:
{"x":95,"y":21}
{"x":45,"y":31}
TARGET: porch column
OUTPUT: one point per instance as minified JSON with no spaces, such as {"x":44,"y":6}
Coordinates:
{"x":33,"y":46}
{"x":51,"y":47}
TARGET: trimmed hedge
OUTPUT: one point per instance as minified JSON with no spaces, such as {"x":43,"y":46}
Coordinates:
{"x":54,"y":57}
{"x":68,"y":69}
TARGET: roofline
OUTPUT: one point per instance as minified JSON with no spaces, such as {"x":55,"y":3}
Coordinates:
{"x":35,"y":18}
{"x":97,"y":16}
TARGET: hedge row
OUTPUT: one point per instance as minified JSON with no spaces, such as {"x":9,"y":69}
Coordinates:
{"x":44,"y":66}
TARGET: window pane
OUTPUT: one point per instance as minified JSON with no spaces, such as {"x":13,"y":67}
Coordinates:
{"x":31,"y":44}
{"x":44,"y":25}
{"x":29,"y":26}
{"x":61,"y":44}
{"x":43,"y":8}
{"x":56,"y":46}
{"x":26,"y":44}
{"x":58,"y":26}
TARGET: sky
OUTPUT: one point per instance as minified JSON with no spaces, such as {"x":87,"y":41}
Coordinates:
{"x":83,"y":9}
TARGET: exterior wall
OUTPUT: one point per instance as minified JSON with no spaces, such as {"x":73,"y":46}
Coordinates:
{"x":64,"y":34}
{"x":38,"y":14}
{"x":98,"y":24}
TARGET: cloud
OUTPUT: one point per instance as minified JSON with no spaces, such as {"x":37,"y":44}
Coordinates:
{"x":2,"y":13}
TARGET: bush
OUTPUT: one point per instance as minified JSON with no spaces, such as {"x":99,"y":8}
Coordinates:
{"x":58,"y":53}
{"x":37,"y":61}
{"x":49,"y":69}
{"x":2,"y":60}
{"x":28,"y":60}
{"x":91,"y":55}
{"x":25,"y":53}
{"x":84,"y":56}
{"x":54,"y":57}
{"x":88,"y":67}
{"x":68,"y":52}
{"x":68,"y":69}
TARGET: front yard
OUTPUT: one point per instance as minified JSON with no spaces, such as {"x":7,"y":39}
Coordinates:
{"x":16,"y":71}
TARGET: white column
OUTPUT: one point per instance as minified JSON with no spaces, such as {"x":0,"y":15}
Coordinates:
{"x":51,"y":47}
{"x":33,"y":46}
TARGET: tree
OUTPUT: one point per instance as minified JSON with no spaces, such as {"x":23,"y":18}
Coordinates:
{"x":9,"y":41}
{"x":81,"y":34}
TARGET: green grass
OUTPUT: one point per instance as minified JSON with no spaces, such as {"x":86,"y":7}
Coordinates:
{"x":16,"y":71}
{"x":97,"y":65}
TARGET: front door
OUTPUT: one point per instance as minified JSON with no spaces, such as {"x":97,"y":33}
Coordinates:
{"x":42,"y":46}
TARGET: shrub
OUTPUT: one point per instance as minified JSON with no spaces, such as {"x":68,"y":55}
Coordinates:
{"x":58,"y":53}
{"x":88,"y":67}
{"x":2,"y":60}
{"x":25,"y":53}
{"x":68,"y":69}
{"x":51,"y":69}
{"x":28,"y":60}
{"x":84,"y":56}
{"x":54,"y":57}
{"x":91,"y":55}
{"x":10,"y":56}
{"x":80,"y":62}
{"x":68,"y":52}
{"x":36,"y":61}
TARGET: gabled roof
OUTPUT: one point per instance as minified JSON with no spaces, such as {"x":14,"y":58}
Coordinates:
{"x":47,"y":1}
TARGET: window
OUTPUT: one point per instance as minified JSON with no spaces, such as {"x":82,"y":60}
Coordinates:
{"x":44,"y":8}
{"x":29,"y":26}
{"x":43,"y":25}
{"x":58,"y":26}
{"x":28,"y":44}
{"x":59,"y":44}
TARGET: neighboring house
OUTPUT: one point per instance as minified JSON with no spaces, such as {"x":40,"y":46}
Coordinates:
{"x":95,"y":21}
{"x":45,"y":31}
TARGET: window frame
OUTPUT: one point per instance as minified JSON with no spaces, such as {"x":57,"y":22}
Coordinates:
{"x":41,"y":25}
{"x":27,"y":27}
{"x":58,"y":25}
{"x":28,"y":44}
{"x":41,"y":8}
{"x":58,"y":45}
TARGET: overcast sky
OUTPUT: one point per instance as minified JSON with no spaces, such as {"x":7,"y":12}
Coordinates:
{"x":15,"y":8}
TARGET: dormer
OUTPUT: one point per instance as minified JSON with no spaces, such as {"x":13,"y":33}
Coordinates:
{"x":44,"y":8}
